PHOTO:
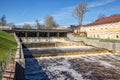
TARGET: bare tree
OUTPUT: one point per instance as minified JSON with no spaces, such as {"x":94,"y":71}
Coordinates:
{"x":79,"y":11}
{"x":38,"y":26}
{"x":101,"y":15}
{"x":27,"y":26}
{"x":3,"y":21}
{"x":49,"y":22}
{"x":11,"y":25}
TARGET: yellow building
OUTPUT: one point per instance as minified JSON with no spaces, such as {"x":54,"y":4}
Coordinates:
{"x":105,"y":28}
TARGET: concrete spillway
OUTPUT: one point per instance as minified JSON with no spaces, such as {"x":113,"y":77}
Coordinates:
{"x":59,"y":51}
{"x":44,"y":49}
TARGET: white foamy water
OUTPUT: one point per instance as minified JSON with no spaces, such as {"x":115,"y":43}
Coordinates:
{"x":78,"y":67}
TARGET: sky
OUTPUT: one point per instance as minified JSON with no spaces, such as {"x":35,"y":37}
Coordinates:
{"x":27,"y":11}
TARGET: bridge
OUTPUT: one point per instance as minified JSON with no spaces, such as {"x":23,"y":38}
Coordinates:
{"x":41,"y":32}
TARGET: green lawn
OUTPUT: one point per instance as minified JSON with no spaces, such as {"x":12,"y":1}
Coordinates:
{"x":105,"y":40}
{"x":7,"y":41}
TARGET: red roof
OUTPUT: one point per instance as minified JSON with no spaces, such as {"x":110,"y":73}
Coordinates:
{"x":110,"y":19}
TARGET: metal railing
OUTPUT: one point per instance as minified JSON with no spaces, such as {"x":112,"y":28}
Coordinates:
{"x":7,"y":62}
{"x":1,"y":66}
{"x":4,"y":65}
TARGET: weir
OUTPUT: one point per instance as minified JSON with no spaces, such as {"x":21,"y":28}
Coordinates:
{"x":58,"y":48}
{"x":38,"y":49}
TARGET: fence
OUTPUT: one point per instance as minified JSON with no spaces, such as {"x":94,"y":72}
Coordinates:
{"x":1,"y":66}
{"x":5,"y":64}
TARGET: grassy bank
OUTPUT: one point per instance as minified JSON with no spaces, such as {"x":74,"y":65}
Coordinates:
{"x":105,"y":40}
{"x":101,"y":40}
{"x":7,"y":41}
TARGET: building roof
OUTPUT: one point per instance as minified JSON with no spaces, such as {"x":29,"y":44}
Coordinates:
{"x":110,"y":19}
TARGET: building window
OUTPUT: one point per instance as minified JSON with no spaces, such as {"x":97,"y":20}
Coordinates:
{"x":97,"y":36}
{"x":94,"y":35}
{"x":117,"y":35}
{"x":105,"y":28}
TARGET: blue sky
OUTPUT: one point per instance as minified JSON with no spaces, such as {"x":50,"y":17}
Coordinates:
{"x":27,"y":11}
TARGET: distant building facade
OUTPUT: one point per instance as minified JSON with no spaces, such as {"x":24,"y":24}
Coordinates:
{"x":105,"y":28}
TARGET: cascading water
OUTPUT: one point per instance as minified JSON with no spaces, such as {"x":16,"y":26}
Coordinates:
{"x":99,"y":66}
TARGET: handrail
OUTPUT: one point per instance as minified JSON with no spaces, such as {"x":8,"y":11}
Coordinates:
{"x":6,"y":66}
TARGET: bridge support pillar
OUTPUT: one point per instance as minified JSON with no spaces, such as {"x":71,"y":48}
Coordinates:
{"x":26,"y":36}
{"x":38,"y":38}
{"x":48,"y":36}
{"x":58,"y":35}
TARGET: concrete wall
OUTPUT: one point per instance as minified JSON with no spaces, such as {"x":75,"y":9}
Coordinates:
{"x":41,"y":39}
{"x":5,"y":28}
{"x":115,"y":47}
{"x":20,"y":61}
{"x":19,"y":53}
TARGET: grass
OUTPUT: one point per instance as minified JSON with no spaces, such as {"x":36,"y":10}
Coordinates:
{"x":105,"y":40}
{"x":102,"y":40}
{"x":7,"y":41}
{"x":78,"y":35}
{"x":93,"y":38}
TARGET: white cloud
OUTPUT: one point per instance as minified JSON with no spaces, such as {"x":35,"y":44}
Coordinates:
{"x":27,"y":22}
{"x":64,"y":16}
{"x":100,"y":3}
{"x":30,"y":22}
